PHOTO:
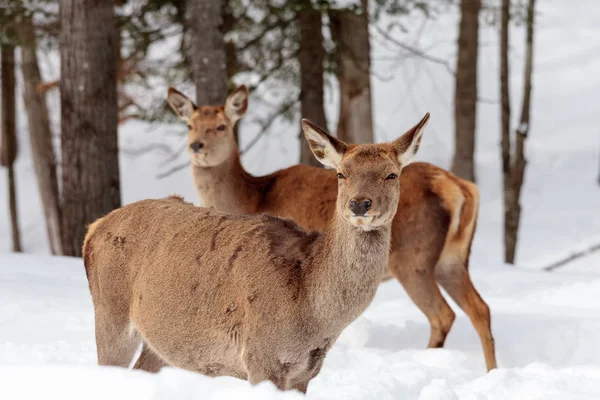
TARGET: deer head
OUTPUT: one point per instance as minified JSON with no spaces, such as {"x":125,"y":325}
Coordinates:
{"x":368,"y":184}
{"x":210,"y":137}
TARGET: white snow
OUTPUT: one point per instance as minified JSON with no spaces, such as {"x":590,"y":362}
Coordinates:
{"x":546,"y":324}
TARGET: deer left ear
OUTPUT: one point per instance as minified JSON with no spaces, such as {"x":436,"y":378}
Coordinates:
{"x":237,"y":103}
{"x":407,"y":145}
{"x":180,"y":103}
{"x":327,"y":149}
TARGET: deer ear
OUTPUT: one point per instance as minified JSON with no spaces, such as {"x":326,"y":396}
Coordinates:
{"x":180,"y":103}
{"x":406,"y":146}
{"x":327,"y":149}
{"x":237,"y":103}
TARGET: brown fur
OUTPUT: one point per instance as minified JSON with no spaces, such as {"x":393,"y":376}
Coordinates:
{"x":432,"y":231}
{"x":252,"y":296}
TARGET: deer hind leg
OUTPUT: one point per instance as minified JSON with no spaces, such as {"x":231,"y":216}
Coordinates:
{"x":261,"y":366}
{"x":149,"y":360}
{"x":301,"y":387}
{"x":418,"y":280}
{"x":454,"y":278}
{"x":116,"y":341}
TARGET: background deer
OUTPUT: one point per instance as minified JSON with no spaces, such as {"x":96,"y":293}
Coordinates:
{"x":432,"y":231}
{"x":255,"y":297}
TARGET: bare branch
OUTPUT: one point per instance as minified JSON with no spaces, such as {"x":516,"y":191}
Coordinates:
{"x":572,"y":257}
{"x":174,"y":155}
{"x":266,"y":124}
{"x":134,"y":153}
{"x":282,"y":23}
{"x":171,"y":171}
{"x":416,"y":51}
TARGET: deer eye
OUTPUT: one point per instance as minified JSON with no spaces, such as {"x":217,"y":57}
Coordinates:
{"x":221,"y":127}
{"x":341,"y":176}
{"x":391,"y":176}
{"x":189,"y":127}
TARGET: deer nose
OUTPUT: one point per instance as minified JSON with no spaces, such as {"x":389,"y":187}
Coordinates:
{"x":196,"y":146}
{"x":360,"y":206}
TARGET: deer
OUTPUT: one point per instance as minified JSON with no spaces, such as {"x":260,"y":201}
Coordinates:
{"x":432,"y":231}
{"x":256,"y":297}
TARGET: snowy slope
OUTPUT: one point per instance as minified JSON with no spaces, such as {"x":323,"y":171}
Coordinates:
{"x":545,"y":326}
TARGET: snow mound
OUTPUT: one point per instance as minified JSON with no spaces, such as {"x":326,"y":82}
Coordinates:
{"x":545,"y":326}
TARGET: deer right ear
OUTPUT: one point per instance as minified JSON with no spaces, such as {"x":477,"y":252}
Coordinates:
{"x":237,"y":103}
{"x":327,"y":149}
{"x":407,"y":145}
{"x":180,"y":103}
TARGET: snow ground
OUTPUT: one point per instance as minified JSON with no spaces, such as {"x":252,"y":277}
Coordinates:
{"x":545,"y":326}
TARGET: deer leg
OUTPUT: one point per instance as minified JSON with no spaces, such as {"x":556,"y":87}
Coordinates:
{"x":116,"y":342}
{"x":419,"y":282}
{"x":302,"y":387}
{"x":262,"y":368}
{"x":454,"y":278}
{"x":148,"y":360}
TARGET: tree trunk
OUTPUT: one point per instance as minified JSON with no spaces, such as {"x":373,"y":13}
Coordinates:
{"x":465,"y":96}
{"x":207,"y":51}
{"x":8,"y":153}
{"x":350,"y":32}
{"x":311,"y":57}
{"x":505,"y":94}
{"x":89,"y":114}
{"x":512,"y":206}
{"x":231,"y":62}
{"x":40,"y":134}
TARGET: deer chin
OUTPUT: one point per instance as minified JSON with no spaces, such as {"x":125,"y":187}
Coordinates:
{"x":364,"y":222}
{"x":201,"y":160}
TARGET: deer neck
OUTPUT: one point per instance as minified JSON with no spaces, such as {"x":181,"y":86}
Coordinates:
{"x":226,"y":187}
{"x":348,"y":265}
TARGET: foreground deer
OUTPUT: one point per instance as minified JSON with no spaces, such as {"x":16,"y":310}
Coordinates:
{"x":255,"y":297}
{"x":431,"y":233}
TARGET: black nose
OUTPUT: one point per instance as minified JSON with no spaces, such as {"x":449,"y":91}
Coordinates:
{"x":196,"y":146}
{"x":360,"y":207}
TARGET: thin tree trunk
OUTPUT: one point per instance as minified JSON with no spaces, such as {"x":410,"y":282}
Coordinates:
{"x":9,"y":137}
{"x":232,"y":66}
{"x":311,"y":57}
{"x":505,"y":94}
{"x":40,"y":134}
{"x":465,"y":100}
{"x":513,"y":207}
{"x":350,"y":32}
{"x":89,"y":115}
{"x":207,"y":51}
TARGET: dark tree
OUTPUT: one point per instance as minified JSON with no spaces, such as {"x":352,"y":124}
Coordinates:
{"x":206,"y":50}
{"x":311,"y":57}
{"x":39,"y":132}
{"x":89,"y":114}
{"x":9,"y":136}
{"x":465,"y":97}
{"x":514,"y":165}
{"x":350,"y":32}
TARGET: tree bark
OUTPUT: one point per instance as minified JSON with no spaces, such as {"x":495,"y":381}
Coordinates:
{"x":517,"y":173}
{"x":89,"y":115}
{"x":9,"y":137}
{"x":505,"y":94}
{"x":350,"y":32}
{"x":465,"y":100}
{"x":311,"y":57}
{"x":207,"y":51}
{"x":40,"y":134}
